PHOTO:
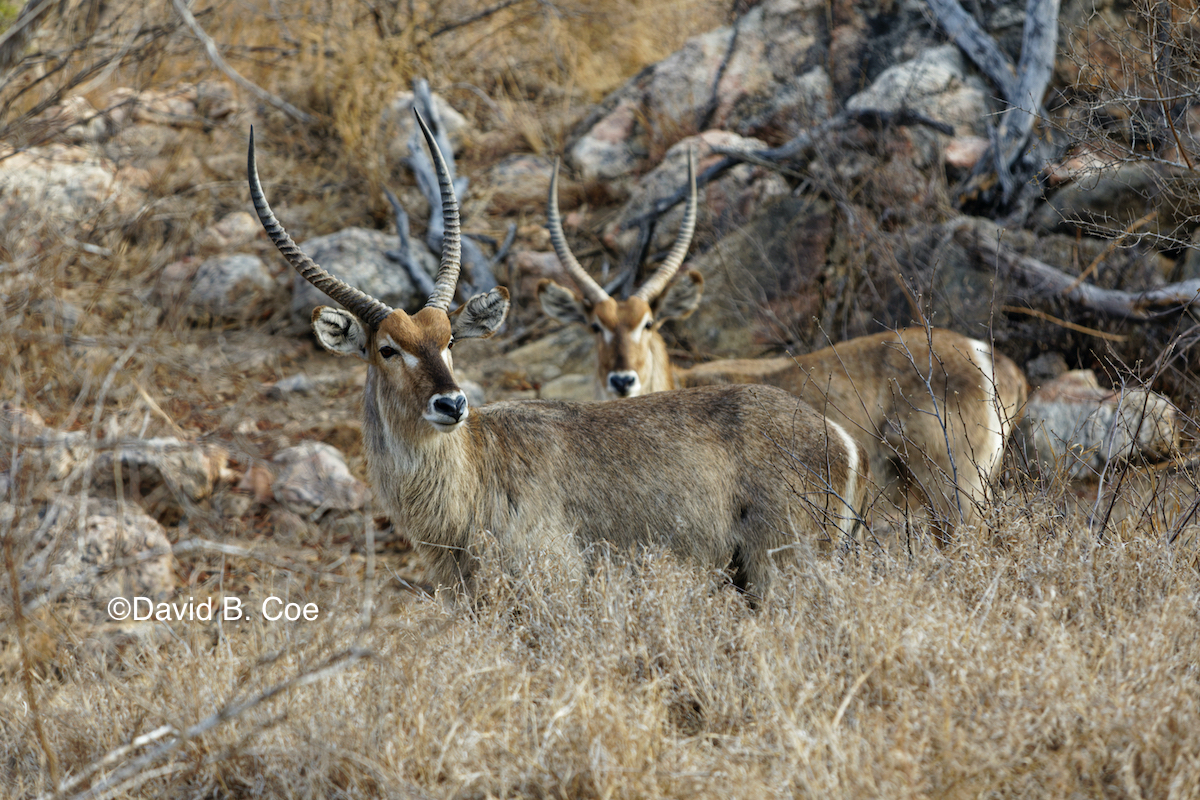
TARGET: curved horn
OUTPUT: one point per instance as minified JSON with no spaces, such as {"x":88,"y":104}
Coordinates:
{"x":658,"y":281}
{"x":592,"y":291}
{"x":361,"y":305}
{"x":447,"y":277}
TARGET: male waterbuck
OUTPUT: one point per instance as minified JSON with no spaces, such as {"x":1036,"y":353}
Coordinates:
{"x":728,"y":476}
{"x":932,"y":407}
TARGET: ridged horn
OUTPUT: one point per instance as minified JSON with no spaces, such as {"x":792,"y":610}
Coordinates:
{"x":592,"y":291}
{"x":366,"y":308}
{"x":447,"y":277}
{"x":659,"y":280}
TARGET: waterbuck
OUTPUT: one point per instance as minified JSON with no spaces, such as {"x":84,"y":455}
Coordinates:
{"x":933,"y":408}
{"x":731,"y":477}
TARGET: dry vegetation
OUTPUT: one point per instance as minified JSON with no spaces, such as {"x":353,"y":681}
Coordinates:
{"x":1054,"y":655}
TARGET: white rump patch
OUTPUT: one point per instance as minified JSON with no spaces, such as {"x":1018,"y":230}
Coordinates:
{"x":993,"y":444}
{"x":851,"y":488}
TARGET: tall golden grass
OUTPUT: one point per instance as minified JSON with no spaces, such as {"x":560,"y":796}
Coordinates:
{"x":1047,"y":667}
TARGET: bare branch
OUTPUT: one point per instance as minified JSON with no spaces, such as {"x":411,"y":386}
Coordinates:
{"x":13,"y":40}
{"x":487,"y":12}
{"x":404,"y":256}
{"x":210,"y":47}
{"x":1047,"y":281}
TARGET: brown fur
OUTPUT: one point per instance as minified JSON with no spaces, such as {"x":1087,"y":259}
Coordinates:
{"x":933,"y":408}
{"x":723,"y":476}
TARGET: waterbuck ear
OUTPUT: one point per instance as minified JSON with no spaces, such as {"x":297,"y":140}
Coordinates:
{"x":681,"y":298}
{"x":340,"y":332}
{"x":559,"y":303}
{"x":481,"y":316}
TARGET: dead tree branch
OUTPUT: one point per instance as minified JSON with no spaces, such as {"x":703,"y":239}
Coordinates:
{"x":210,"y":48}
{"x":478,"y":269}
{"x":1022,"y":87}
{"x":796,"y":148}
{"x":404,"y":255}
{"x":1048,"y":281}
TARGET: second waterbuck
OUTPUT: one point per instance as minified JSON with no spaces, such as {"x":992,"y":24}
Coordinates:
{"x":729,"y":477}
{"x":933,"y":408}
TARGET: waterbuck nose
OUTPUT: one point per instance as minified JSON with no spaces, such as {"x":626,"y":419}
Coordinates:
{"x":621,"y":382}
{"x":453,"y":406}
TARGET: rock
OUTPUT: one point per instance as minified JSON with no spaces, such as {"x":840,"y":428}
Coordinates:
{"x":293,"y":384}
{"x":62,"y":183}
{"x":230,"y":232}
{"x":570,"y":349}
{"x":356,"y":255}
{"x":215,"y":100}
{"x":234,"y":287}
{"x":724,"y":204}
{"x":188,"y":469}
{"x":313,"y":478}
{"x":1107,"y":201}
{"x":935,"y":83}
{"x":768,"y":273}
{"x":770,"y":82}
{"x":531,"y":266}
{"x":518,"y":183}
{"x":112,"y":554}
{"x":398,"y":124}
{"x":1073,"y":427}
{"x":1045,"y":368}
{"x":964,"y":152}
{"x":608,"y":151}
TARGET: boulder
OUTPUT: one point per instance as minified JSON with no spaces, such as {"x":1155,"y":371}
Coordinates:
{"x":1073,"y":427}
{"x":234,"y":287}
{"x":63,"y":183}
{"x":771,"y":80}
{"x":114,"y":552}
{"x":189,"y":470}
{"x":936,"y":83}
{"x":232,"y":231}
{"x":313,"y":478}
{"x":724,"y":204}
{"x":356,"y":255}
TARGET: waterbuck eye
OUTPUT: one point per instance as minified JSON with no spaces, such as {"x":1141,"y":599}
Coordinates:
{"x":450,"y":345}
{"x":596,"y":327}
{"x":649,"y":324}
{"x":387,"y":351}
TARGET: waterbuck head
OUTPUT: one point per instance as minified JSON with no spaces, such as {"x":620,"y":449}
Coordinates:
{"x":412,"y":353}
{"x":631,"y":354}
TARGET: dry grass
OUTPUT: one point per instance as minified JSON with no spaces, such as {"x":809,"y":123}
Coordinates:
{"x":1035,"y":659}
{"x":1042,"y":667}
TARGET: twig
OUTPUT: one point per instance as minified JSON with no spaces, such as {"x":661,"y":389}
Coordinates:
{"x":1033,"y":312}
{"x":1113,"y":245}
{"x":227,"y":712}
{"x":19,"y":32}
{"x":210,"y":48}
{"x":705,"y":116}
{"x":487,"y":12}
